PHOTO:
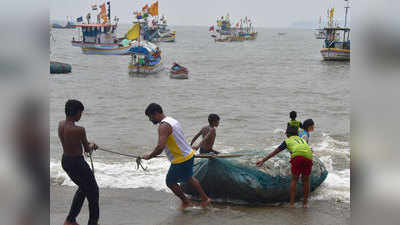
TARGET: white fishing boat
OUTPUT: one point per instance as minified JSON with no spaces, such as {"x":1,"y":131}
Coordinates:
{"x":336,"y":46}
{"x":100,"y":38}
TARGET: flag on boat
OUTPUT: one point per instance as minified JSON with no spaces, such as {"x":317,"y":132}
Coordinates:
{"x":144,"y":8}
{"x":153,"y":10}
{"x":79,"y":19}
{"x":103,"y":8}
{"x":94,"y":7}
{"x":134,"y":32}
{"x":211,"y":28}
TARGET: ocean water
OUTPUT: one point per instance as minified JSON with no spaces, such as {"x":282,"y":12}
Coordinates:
{"x":252,"y":85}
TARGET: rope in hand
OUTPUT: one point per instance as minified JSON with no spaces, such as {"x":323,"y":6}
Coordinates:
{"x":138,"y":158}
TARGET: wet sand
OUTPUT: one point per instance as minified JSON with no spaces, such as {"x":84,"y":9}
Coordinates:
{"x":147,"y":207}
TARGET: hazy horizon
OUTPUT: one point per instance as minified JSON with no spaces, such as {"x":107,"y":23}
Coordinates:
{"x":264,"y":13}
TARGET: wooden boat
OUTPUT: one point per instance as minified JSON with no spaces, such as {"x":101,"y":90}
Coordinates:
{"x":336,"y":46}
{"x":145,"y":58}
{"x":178,"y":72}
{"x":100,"y":38}
{"x":225,"y":32}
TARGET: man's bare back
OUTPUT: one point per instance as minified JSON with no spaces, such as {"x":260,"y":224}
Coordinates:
{"x":72,"y":138}
{"x":208,"y":133}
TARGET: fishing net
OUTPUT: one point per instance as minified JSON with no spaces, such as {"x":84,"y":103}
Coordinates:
{"x":239,"y":180}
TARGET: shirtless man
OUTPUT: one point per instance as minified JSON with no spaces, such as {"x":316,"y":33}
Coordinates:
{"x":208,"y":133}
{"x":72,"y":138}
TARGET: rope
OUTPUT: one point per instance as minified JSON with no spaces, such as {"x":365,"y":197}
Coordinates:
{"x":138,"y":158}
{"x":91,"y":161}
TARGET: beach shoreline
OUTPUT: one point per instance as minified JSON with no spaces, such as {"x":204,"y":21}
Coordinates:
{"x":145,"y":206}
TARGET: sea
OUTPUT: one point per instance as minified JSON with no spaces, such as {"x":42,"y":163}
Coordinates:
{"x":251,"y":85}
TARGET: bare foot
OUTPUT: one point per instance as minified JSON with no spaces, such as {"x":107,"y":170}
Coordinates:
{"x":70,"y":223}
{"x":305,"y":205}
{"x":185,"y":205}
{"x":204,"y":203}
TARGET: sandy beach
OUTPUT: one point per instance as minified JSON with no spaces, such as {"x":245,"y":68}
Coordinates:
{"x":147,"y":207}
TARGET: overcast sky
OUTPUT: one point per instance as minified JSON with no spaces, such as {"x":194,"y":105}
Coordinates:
{"x":265,"y":13}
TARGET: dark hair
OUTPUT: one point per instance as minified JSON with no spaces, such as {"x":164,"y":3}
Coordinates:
{"x":213,"y":117}
{"x":152,"y":109}
{"x":293,"y":115}
{"x":307,"y":123}
{"x":73,"y":107}
{"x":292,"y":131}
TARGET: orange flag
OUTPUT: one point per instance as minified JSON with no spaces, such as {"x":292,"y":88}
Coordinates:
{"x":153,"y":10}
{"x":145,"y":7}
{"x":103,"y":9}
{"x":156,"y":8}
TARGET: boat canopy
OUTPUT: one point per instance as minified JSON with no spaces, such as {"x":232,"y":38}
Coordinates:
{"x":142,"y":48}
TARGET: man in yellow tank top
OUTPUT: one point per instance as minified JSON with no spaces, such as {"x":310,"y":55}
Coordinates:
{"x":179,"y":152}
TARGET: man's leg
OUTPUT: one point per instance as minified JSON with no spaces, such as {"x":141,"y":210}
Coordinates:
{"x":91,"y":190}
{"x":76,"y":206}
{"x":177,"y":190}
{"x":306,"y":189}
{"x":293,"y":183}
{"x":195,"y":183}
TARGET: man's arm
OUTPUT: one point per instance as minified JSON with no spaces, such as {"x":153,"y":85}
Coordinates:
{"x":60,"y":134}
{"x":86,"y":144}
{"x":211,"y":134}
{"x":197,"y":136}
{"x":272,"y":154}
{"x":164,"y":130}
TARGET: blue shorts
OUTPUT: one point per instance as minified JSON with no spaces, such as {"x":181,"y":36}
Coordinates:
{"x":180,"y":172}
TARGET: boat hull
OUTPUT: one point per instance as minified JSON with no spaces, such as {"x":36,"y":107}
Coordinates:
{"x":180,"y":74}
{"x":334,"y":54}
{"x":134,"y":69}
{"x":101,"y":49}
{"x":106,"y":51}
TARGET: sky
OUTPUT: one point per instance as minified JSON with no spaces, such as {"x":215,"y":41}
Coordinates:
{"x":264,"y":13}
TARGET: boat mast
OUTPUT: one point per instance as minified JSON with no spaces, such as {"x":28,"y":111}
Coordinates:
{"x":345,"y":16}
{"x":109,"y":11}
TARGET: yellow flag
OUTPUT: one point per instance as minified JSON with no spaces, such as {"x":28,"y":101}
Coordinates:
{"x":331,"y":14}
{"x":134,"y":32}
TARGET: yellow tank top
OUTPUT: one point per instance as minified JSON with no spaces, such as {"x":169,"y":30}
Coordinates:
{"x":177,"y":149}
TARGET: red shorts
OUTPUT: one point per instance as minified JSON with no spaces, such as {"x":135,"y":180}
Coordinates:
{"x":301,"y":165}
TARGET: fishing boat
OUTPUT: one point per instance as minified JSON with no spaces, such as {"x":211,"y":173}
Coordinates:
{"x":336,"y":46}
{"x":145,"y":58}
{"x":100,"y":38}
{"x":224,"y":32}
{"x":154,"y":29}
{"x":178,"y":72}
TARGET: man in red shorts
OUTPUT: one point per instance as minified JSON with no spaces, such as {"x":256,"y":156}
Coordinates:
{"x":301,"y":162}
